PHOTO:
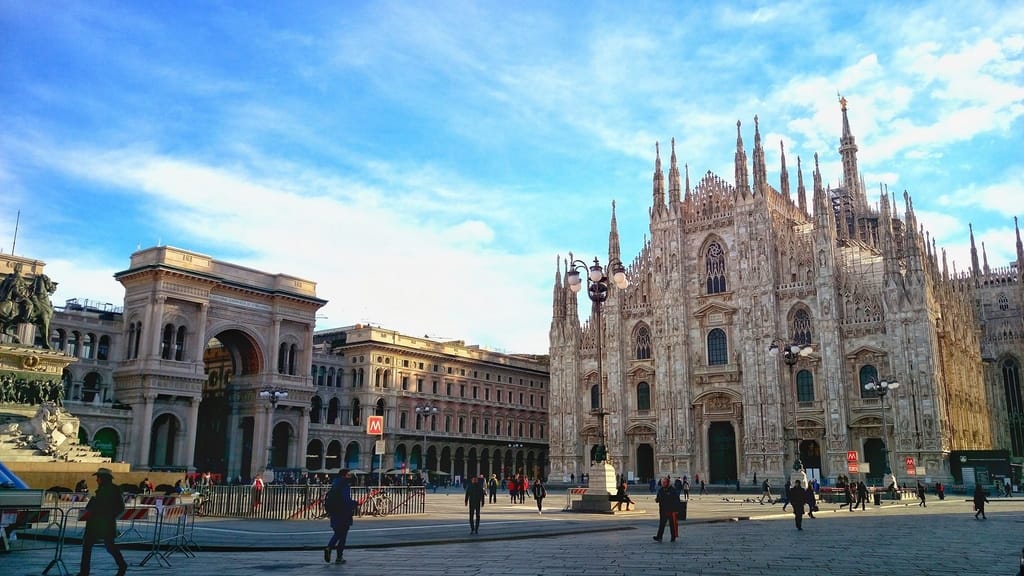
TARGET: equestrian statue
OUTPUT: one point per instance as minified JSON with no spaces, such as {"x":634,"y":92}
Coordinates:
{"x":26,"y":301}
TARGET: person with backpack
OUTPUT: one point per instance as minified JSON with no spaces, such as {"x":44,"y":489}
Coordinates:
{"x":340,"y":507}
{"x":539,"y":492}
{"x":102,"y":513}
{"x":492,"y":489}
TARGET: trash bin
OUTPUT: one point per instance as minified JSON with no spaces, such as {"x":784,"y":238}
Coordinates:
{"x":682,"y":509}
{"x":878,"y":498}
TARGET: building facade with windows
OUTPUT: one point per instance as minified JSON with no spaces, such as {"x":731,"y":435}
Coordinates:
{"x":172,"y":378}
{"x":448,"y":408}
{"x":730,"y":269}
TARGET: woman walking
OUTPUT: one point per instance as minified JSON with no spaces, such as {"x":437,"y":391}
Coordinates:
{"x":979,"y":502}
{"x":539,"y":492}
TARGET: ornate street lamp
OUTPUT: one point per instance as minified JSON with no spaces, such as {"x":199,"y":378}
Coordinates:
{"x":272,"y":395}
{"x":791,"y":353}
{"x":597,"y":289}
{"x":882,"y":387}
{"x":425,"y":411}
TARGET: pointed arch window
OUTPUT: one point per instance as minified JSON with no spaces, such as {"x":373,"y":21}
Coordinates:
{"x":804,"y":386}
{"x":718,"y":348}
{"x":595,"y":397}
{"x":642,"y":350}
{"x":1014,"y":405}
{"x":802,"y":328}
{"x":714,"y":266}
{"x":643,"y":396}
{"x":868,"y":373}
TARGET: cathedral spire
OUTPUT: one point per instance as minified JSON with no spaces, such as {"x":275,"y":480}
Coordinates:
{"x":975,"y":269}
{"x":801,"y":192}
{"x":848,"y":150}
{"x":784,"y":174}
{"x":686,"y":167}
{"x":742,"y":179}
{"x":659,"y":181}
{"x":673,"y":178}
{"x":1020,"y":249}
{"x":984,"y":258}
{"x":613,"y":237}
{"x":558,"y":299}
{"x":760,"y":171}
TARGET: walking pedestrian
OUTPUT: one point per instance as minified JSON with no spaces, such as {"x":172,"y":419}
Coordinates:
{"x":862,"y":495}
{"x":848,"y":497}
{"x":539,"y":492}
{"x":686,"y":488}
{"x":668,"y":510}
{"x":340,"y":507}
{"x":921,"y":494}
{"x":797,"y":495}
{"x":524,"y":486}
{"x":810,"y":500}
{"x":785,"y":494}
{"x":102,"y":513}
{"x":512,"y":490}
{"x":703,"y":488}
{"x":492,"y":489}
{"x":475,"y":500}
{"x":979,"y":502}
{"x":766,"y":492}
{"x":940,"y":490}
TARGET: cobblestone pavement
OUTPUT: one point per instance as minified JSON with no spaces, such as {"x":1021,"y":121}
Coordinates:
{"x":894,"y":539}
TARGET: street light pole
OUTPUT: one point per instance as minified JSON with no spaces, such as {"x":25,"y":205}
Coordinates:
{"x":426,"y":411}
{"x":272,"y":395}
{"x":791,"y":353}
{"x":882,"y":388}
{"x":597,"y":290}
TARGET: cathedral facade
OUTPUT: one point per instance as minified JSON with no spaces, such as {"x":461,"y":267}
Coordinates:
{"x":731,"y":270}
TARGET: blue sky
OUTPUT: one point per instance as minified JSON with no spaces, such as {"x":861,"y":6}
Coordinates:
{"x":426,"y":162}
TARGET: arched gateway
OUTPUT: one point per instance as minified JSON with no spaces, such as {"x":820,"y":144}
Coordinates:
{"x":202,"y":339}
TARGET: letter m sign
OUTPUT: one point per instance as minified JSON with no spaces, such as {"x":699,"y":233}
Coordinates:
{"x":375,"y":425}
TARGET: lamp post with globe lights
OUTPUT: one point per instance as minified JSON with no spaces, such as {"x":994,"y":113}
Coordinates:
{"x":882,"y":388}
{"x":425,"y":412}
{"x":272,"y":395}
{"x":791,"y":352}
{"x":602,"y":476}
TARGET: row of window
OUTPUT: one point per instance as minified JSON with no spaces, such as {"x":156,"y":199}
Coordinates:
{"x":79,"y":345}
{"x":717,"y":342}
{"x":451,"y":423}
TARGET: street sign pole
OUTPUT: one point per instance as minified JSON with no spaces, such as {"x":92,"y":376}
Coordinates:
{"x":375,"y":427}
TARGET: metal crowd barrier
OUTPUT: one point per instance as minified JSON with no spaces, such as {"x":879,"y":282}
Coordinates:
{"x":296,"y":502}
{"x":569,"y":497}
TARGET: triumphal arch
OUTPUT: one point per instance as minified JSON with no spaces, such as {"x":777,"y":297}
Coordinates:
{"x":201,"y":340}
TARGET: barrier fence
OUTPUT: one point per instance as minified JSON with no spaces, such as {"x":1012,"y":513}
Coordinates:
{"x":291,"y":502}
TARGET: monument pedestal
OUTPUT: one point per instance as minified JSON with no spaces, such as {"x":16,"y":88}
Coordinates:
{"x":600,"y":488}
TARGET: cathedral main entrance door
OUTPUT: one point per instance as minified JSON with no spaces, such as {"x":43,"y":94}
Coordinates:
{"x":874,"y":454}
{"x":645,"y":462}
{"x":721,"y":453}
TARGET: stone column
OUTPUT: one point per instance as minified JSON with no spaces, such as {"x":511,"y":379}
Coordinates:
{"x":145,"y":430}
{"x":200,"y":345}
{"x":156,"y":321}
{"x":275,"y":347}
{"x":300,"y":455}
{"x":190,"y":438}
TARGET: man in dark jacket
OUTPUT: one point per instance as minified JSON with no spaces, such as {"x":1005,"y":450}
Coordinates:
{"x":102,"y":513}
{"x":340,"y":507}
{"x":475,"y":500}
{"x":668,"y":509}
{"x":797,"y":498}
{"x":862,"y":495}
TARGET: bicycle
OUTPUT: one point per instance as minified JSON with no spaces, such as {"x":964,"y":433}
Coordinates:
{"x":201,"y":505}
{"x":377,"y":504}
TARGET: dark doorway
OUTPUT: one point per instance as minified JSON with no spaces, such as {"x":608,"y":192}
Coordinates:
{"x":721,"y":453}
{"x":810,"y":454}
{"x":645,"y":462}
{"x":874,"y":455}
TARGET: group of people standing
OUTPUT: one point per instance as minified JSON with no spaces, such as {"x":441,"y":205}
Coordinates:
{"x":480,"y":489}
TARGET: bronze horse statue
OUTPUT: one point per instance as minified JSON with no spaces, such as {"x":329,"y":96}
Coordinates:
{"x":32,"y":308}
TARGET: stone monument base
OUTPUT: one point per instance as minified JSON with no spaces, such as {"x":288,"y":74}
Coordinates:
{"x":600,"y":489}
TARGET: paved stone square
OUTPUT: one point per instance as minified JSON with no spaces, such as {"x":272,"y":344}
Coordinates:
{"x":942,"y":539}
